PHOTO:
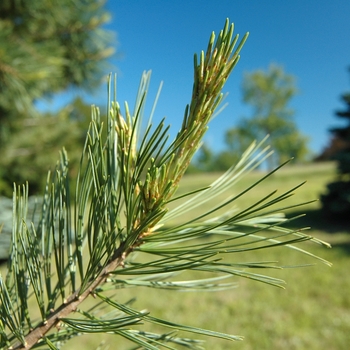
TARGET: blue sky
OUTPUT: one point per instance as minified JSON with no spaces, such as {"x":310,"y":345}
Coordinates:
{"x":309,"y":38}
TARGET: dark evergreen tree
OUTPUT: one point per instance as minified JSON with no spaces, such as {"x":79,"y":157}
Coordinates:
{"x":336,"y":202}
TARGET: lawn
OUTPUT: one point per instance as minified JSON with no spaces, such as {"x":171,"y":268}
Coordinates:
{"x":312,"y":312}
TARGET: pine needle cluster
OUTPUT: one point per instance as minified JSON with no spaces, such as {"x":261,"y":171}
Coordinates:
{"x":116,"y":231}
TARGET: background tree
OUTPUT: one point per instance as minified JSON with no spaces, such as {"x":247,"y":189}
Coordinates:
{"x":210,"y":161}
{"x":203,"y":162}
{"x":269,"y":93}
{"x":23,"y":158}
{"x":337,"y":201}
{"x":45,"y":47}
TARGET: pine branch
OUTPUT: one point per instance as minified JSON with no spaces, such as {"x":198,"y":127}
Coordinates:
{"x":72,"y":303}
{"x":121,"y":205}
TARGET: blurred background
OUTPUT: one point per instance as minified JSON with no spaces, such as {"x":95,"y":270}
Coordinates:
{"x":292,"y":82}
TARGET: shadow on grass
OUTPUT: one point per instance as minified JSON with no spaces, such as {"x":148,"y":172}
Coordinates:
{"x":317,"y":220}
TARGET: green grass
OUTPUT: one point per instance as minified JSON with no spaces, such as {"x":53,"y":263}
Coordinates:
{"x":313,"y":312}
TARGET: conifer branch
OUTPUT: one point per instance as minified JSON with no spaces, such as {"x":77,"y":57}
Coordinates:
{"x":121,"y":205}
{"x":72,"y":303}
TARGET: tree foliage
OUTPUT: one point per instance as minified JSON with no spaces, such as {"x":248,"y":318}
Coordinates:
{"x":28,"y":155}
{"x":336,"y":202}
{"x":45,"y":47}
{"x":208,"y":161}
{"x":115,"y":231}
{"x":269,"y":94}
{"x":48,"y":46}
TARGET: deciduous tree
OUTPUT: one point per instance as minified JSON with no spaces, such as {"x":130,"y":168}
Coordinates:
{"x":269,"y":94}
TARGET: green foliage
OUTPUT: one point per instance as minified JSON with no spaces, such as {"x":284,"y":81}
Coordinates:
{"x":117,"y":231}
{"x":269,"y":93}
{"x":46,"y":47}
{"x":336,"y":202}
{"x":208,"y":161}
{"x":30,"y":152}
